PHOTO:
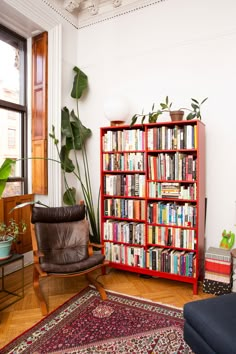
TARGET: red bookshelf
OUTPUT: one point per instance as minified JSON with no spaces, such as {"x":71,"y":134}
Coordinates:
{"x":153,"y":198}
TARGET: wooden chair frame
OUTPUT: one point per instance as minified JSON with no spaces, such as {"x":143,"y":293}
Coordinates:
{"x":39,"y":273}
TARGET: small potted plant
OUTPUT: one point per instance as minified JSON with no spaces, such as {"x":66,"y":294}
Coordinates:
{"x":8,"y":234}
{"x":176,"y":115}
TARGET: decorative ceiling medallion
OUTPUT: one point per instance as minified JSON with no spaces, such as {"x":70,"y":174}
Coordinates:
{"x":91,"y":5}
{"x":71,"y":5}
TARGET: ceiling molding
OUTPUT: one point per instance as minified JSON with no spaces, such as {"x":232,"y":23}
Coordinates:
{"x":80,"y":14}
{"x":106,"y":13}
{"x":45,"y":13}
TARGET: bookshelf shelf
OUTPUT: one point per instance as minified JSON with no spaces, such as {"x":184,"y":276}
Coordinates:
{"x":153,"y":198}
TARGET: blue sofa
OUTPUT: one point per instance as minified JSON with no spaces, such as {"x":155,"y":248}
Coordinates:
{"x":210,"y":325}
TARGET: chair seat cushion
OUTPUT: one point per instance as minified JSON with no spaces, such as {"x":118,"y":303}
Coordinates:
{"x":90,"y":262}
{"x":214,"y":320}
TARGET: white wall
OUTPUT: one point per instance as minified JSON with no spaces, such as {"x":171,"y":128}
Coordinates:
{"x":182,"y":49}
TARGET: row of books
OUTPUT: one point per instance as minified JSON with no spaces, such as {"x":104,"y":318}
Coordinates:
{"x":124,"y":185}
{"x":172,"y":190}
{"x":128,"y":255}
{"x":158,"y":259}
{"x":167,"y":138}
{"x":123,"y":140}
{"x":123,"y":231}
{"x":172,"y":261}
{"x":172,"y":236}
{"x":172,"y":214}
{"x":218,"y":265}
{"x":125,"y":208}
{"x":177,"y":166}
{"x":133,"y":161}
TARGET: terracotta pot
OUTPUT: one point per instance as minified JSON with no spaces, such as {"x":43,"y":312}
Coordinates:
{"x":176,"y":115}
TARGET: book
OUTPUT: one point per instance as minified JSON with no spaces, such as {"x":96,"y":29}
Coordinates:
{"x":221,"y":267}
{"x":224,"y":278}
{"x":218,"y":253}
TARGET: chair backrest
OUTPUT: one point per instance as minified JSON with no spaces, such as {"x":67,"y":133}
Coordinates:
{"x":62,"y":233}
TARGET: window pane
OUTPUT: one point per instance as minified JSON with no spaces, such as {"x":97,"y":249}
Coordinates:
{"x":13,"y":188}
{"x":13,"y":116}
{"x":11,"y":68}
{"x":11,"y":138}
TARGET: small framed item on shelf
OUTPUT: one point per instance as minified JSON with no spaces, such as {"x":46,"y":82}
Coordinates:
{"x":153,"y":198}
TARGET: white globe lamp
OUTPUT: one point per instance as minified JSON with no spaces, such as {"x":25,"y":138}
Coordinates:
{"x":116,"y":109}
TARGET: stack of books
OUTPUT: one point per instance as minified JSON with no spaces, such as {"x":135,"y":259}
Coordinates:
{"x":218,"y":271}
{"x":233,"y":252}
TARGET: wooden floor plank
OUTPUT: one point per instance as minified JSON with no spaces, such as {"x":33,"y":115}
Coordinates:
{"x":25,"y":313}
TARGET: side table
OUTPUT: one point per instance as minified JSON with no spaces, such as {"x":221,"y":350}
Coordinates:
{"x":4,"y":293}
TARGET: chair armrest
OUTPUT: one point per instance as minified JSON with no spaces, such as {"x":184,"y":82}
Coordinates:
{"x":97,"y":245}
{"x":92,"y":245}
{"x":38,"y":253}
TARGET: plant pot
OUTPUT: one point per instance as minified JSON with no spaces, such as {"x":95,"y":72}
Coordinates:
{"x":176,"y":115}
{"x":5,"y":248}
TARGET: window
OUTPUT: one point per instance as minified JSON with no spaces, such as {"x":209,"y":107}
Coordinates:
{"x":11,"y":138}
{"x":13,"y":118}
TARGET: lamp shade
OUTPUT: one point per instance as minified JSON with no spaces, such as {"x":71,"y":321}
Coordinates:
{"x":116,"y":109}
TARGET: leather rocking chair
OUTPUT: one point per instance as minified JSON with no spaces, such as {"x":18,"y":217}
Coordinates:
{"x":61,"y":247}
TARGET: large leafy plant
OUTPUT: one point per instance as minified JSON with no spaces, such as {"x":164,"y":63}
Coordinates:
{"x":73,"y":151}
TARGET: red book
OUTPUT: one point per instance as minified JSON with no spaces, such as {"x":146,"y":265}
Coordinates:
{"x":216,"y":266}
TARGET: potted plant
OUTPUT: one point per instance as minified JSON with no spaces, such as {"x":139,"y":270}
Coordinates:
{"x":73,"y":150}
{"x":176,"y":115}
{"x":74,"y":137}
{"x":8,"y":234}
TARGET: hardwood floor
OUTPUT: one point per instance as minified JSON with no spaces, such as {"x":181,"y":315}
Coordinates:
{"x":25,"y":313}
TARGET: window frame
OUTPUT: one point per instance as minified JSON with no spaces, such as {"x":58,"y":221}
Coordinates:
{"x":22,"y":110}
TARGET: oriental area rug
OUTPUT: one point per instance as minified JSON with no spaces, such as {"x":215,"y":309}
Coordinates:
{"x":121,"y":324}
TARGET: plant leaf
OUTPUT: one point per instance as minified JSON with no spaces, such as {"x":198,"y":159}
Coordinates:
{"x":80,"y":83}
{"x":143,"y":119}
{"x":80,"y":134}
{"x":190,"y":116}
{"x":194,"y":106}
{"x":134,"y":120}
{"x":154,"y":117}
{"x":69,"y":196}
{"x":66,"y":163}
{"x":194,"y":100}
{"x":5,"y":171}
{"x":163,"y":106}
{"x":204,"y":100}
{"x":33,"y":202}
{"x":66,"y":129}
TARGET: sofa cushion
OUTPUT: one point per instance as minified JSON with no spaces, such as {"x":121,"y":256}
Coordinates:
{"x":214,"y":320}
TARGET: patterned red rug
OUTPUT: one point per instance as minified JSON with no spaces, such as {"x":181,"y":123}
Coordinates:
{"x":122,"y":324}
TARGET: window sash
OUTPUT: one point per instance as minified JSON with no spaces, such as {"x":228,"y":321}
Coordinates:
{"x":21,"y":43}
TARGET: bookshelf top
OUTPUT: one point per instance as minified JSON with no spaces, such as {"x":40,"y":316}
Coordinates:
{"x":152,"y":125}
